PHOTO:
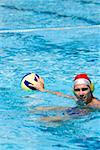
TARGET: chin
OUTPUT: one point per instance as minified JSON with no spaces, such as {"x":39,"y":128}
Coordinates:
{"x":84,"y":99}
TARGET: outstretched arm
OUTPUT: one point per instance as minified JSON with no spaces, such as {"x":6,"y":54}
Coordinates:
{"x":59,"y":94}
{"x":40,"y":86}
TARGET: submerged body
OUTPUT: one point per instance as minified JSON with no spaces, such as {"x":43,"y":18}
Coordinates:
{"x":57,"y":113}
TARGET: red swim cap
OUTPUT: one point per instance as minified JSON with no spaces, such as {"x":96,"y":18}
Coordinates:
{"x":83,"y":75}
{"x":82,"y":79}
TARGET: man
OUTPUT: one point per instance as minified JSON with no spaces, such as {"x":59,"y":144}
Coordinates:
{"x":83,"y":90}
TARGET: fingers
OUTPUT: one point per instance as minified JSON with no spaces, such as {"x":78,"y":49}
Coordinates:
{"x":39,"y":79}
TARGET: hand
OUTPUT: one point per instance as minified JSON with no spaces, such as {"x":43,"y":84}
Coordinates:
{"x":39,"y":84}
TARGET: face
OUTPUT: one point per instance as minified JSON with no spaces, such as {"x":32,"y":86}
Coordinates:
{"x":82,"y":92}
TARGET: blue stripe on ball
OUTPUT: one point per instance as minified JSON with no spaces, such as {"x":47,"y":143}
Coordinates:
{"x":25,"y":76}
{"x":27,"y":84}
{"x":35,"y":79}
{"x":37,"y":75}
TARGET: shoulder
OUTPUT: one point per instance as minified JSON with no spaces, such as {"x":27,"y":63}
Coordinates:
{"x":96,"y":100}
{"x":95,"y":103}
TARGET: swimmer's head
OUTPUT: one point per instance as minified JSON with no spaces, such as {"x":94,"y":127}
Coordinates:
{"x":83,"y":88}
{"x":83,"y":79}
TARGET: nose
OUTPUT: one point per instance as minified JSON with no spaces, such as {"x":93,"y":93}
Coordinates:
{"x":81,"y":93}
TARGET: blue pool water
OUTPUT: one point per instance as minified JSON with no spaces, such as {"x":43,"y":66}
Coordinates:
{"x":57,"y":56}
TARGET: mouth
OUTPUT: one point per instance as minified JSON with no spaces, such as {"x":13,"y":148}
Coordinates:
{"x":84,"y":97}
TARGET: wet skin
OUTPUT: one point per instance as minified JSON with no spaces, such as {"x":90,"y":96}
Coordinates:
{"x":83,"y":92}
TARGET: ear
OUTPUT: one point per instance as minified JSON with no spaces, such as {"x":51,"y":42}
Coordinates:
{"x":92,"y":87}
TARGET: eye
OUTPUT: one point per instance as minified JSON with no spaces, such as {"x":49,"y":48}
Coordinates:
{"x":84,"y":89}
{"x":76,"y":90}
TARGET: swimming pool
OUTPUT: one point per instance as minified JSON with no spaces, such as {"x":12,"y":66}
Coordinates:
{"x":56,"y":55}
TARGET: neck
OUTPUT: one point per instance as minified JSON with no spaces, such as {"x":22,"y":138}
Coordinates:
{"x":89,"y":99}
